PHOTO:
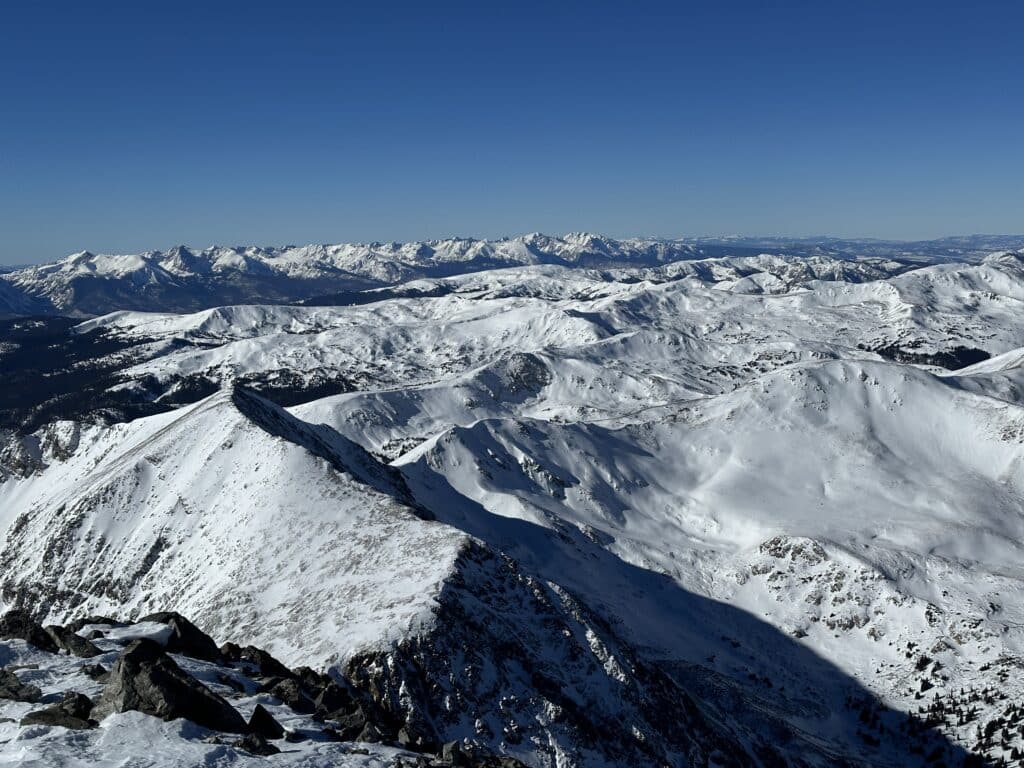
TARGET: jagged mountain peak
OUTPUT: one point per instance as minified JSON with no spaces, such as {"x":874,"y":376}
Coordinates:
{"x":184,"y":278}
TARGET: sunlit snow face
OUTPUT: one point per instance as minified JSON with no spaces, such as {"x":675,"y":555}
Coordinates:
{"x":672,"y":447}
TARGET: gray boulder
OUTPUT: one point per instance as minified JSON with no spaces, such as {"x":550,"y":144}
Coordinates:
{"x":334,"y":699}
{"x":71,"y":712}
{"x":12,"y":688}
{"x":263,"y":724}
{"x":95,"y":672}
{"x":186,"y":638}
{"x":291,"y":693}
{"x":312,"y":679}
{"x":77,"y":624}
{"x":255,"y":744}
{"x":18,"y":625}
{"x":265,"y":664}
{"x":350,"y":725}
{"x":146,"y":679}
{"x":71,"y":642}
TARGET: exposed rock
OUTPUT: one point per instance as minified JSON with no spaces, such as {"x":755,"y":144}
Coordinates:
{"x":409,"y":739}
{"x":186,"y":638}
{"x":72,"y":712}
{"x":147,"y":680}
{"x":255,"y":744}
{"x":18,"y":625}
{"x":290,"y":692}
{"x":96,"y":672}
{"x":267,"y":665}
{"x":263,"y":724}
{"x":452,"y":753}
{"x":231,"y":682}
{"x":312,"y":679}
{"x":231,"y":651}
{"x":371,"y":734}
{"x":12,"y":688}
{"x":74,"y":644}
{"x":794,"y":548}
{"x":334,"y":699}
{"x":525,"y":373}
{"x":420,"y":684}
{"x":457,"y":755}
{"x":350,"y":725}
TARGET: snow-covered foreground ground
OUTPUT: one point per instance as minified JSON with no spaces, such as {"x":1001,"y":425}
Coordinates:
{"x":137,"y":739}
{"x":560,"y":511}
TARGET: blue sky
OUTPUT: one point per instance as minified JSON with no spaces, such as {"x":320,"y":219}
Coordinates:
{"x":129,"y":126}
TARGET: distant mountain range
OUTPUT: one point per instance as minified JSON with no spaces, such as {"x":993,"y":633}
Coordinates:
{"x":560,"y":502}
{"x":183,"y":279}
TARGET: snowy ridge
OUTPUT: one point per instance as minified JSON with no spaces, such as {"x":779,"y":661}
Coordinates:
{"x":763,"y":493}
{"x":213,"y":514}
{"x":183,"y":278}
{"x":178,"y":508}
{"x":187,"y":279}
{"x":607,"y":347}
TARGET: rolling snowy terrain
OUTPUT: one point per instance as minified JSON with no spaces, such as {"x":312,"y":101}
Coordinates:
{"x":572,"y":501}
{"x":183,"y":279}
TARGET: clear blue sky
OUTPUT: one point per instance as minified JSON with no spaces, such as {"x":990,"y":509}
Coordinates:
{"x":129,"y":126}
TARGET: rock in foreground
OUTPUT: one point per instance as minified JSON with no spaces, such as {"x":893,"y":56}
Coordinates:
{"x":73,"y":712}
{"x":147,"y":680}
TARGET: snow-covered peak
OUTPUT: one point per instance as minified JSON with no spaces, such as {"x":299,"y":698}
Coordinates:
{"x":183,"y":277}
{"x":526,"y":485}
{"x":221,"y":508}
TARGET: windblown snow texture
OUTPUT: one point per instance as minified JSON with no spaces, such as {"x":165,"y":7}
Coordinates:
{"x":571,"y":502}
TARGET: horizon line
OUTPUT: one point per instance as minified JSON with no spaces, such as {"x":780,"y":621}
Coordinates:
{"x":723,"y":239}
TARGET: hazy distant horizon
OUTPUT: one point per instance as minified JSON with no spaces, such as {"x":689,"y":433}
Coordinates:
{"x":711,"y":239}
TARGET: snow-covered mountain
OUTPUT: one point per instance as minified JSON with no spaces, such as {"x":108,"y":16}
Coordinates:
{"x":575,"y":505}
{"x":184,"y":279}
{"x":14,"y":301}
{"x":274,"y":531}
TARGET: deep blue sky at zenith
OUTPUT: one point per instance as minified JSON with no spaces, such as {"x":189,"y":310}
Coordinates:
{"x":129,"y":126}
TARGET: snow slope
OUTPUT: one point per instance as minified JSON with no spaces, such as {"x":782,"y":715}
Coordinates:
{"x":183,"y":278}
{"x":786,"y":490}
{"x":187,"y":279}
{"x":611,"y":345}
{"x":273,"y":531}
{"x":189,"y":509}
{"x":15,"y":302}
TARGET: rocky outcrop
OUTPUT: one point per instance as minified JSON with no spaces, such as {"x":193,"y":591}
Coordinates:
{"x":147,"y":680}
{"x":72,"y":711}
{"x":255,"y":744}
{"x":186,"y":638}
{"x":19,"y":625}
{"x":11,"y":687}
{"x":258,"y":660}
{"x":291,"y":692}
{"x":263,"y":724}
{"x":563,"y":678}
{"x":71,"y":642}
{"x":77,"y":625}
{"x":96,"y":672}
{"x":477,"y":687}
